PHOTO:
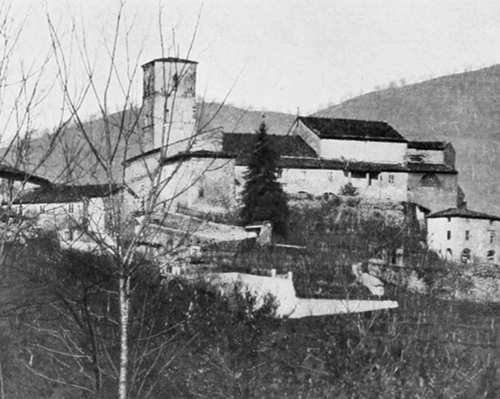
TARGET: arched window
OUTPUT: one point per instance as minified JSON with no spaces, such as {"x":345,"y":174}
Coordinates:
{"x":430,"y":180}
{"x":466,"y":255}
{"x":490,"y":255}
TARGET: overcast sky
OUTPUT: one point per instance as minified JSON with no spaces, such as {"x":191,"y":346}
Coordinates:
{"x":284,"y":54}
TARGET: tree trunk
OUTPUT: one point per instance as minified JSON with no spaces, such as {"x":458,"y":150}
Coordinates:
{"x":124,"y":282}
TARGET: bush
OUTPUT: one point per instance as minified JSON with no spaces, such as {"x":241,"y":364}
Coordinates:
{"x":349,"y":190}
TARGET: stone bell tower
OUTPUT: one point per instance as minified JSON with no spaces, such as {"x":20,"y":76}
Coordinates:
{"x":169,"y":104}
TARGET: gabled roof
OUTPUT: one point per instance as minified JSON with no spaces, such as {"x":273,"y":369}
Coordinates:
{"x":64,"y":193}
{"x":184,"y":156}
{"x":351,"y":129}
{"x":427,"y":145}
{"x":462,"y":213}
{"x":8,"y":172}
{"x":242,"y":144}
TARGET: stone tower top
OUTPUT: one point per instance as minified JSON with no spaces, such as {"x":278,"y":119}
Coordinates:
{"x":169,"y":100}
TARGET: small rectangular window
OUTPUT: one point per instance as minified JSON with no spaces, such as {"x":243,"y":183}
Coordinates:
{"x":492,"y":237}
{"x":449,"y":219}
{"x":467,"y":235}
{"x":42,"y":208}
{"x":448,"y":234}
{"x":390,"y":179}
{"x":70,"y":208}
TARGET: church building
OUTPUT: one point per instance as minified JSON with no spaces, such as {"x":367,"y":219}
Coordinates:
{"x":205,"y":171}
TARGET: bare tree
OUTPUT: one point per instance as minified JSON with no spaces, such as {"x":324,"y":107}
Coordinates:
{"x":149,"y":188}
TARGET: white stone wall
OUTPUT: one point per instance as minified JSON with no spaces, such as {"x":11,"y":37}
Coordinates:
{"x":367,"y":151}
{"x":435,"y":198}
{"x":479,"y":237}
{"x":169,"y":109}
{"x":64,"y":214}
{"x":426,"y":156}
{"x":387,"y":185}
{"x":198,"y":182}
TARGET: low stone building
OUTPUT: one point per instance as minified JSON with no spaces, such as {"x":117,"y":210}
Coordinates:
{"x":462,"y":235}
{"x":69,"y":209}
{"x":14,"y":182}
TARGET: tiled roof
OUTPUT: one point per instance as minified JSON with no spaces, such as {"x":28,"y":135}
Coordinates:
{"x":9,"y":172}
{"x":334,"y":164}
{"x":463,"y":213}
{"x":184,"y":156}
{"x":170,"y":59}
{"x":338,"y":164}
{"x":427,"y":145}
{"x":241,"y":144}
{"x":352,"y":129}
{"x":64,"y":193}
{"x":420,"y":167}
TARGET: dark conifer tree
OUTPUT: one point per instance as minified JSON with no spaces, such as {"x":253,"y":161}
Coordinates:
{"x":263,"y":196}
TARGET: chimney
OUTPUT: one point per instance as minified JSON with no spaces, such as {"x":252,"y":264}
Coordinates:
{"x":169,"y":104}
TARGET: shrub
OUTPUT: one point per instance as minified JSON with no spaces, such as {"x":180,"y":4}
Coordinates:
{"x":349,"y":190}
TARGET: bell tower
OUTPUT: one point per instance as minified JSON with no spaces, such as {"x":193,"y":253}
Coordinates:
{"x":169,"y":104}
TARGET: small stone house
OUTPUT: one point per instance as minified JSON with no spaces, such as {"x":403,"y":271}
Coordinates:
{"x":463,"y":235}
{"x":69,"y":208}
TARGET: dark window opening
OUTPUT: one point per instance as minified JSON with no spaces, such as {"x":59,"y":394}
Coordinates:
{"x":430,"y":180}
{"x":448,"y":253}
{"x":372,"y":176}
{"x":490,"y":255}
{"x":492,"y":237}
{"x":416,"y":157}
{"x":448,"y":234}
{"x":466,"y":255}
{"x":201,"y":192}
{"x":467,"y":235}
{"x":390,"y":179}
{"x":358,"y":175}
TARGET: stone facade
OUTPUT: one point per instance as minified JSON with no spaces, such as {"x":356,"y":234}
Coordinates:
{"x":464,"y":236}
{"x":169,"y":103}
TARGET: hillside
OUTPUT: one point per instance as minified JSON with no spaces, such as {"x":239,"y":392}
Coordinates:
{"x":462,"y":108}
{"x":70,"y":150}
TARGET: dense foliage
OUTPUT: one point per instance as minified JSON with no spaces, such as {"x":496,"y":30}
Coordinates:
{"x":263,"y":196}
{"x":189,"y":341}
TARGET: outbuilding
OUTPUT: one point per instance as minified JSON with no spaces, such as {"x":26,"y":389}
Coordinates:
{"x":463,"y":235}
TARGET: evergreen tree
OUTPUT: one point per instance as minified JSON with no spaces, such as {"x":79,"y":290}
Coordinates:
{"x":263,"y":196}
